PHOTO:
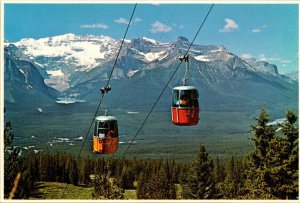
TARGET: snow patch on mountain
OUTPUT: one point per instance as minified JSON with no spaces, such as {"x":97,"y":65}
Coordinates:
{"x":41,"y":65}
{"x":202,"y":58}
{"x":131,"y":73}
{"x":22,"y":72}
{"x":57,"y":80}
{"x":55,"y":72}
{"x":85,"y":52}
{"x":218,"y":49}
{"x":149,"y":56}
{"x":153,"y":56}
{"x":150,"y":40}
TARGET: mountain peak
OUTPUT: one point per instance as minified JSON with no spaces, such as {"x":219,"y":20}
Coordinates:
{"x":153,"y":41}
{"x":70,"y":35}
{"x":249,"y":59}
{"x":261,"y":66}
{"x":182,"y":39}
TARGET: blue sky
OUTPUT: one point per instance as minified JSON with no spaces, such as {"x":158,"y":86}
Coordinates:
{"x":264,"y":31}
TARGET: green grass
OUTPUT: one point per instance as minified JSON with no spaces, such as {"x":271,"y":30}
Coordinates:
{"x":179,"y":191}
{"x":130,"y":194}
{"x":55,"y":190}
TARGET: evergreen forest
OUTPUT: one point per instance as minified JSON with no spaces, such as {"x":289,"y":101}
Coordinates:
{"x":269,"y":171}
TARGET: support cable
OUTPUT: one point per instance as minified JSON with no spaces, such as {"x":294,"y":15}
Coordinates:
{"x":186,"y":53}
{"x":104,"y":90}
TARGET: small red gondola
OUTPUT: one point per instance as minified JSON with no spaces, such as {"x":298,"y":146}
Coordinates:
{"x":185,"y":106}
{"x":105,"y":139}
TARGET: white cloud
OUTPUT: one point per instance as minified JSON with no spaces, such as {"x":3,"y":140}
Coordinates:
{"x":246,"y":56}
{"x":159,"y":27}
{"x":259,"y":29}
{"x":125,"y":21}
{"x":263,"y":57}
{"x":285,"y":61}
{"x":229,"y":26}
{"x":122,"y":21}
{"x":255,"y":30}
{"x":94,"y":26}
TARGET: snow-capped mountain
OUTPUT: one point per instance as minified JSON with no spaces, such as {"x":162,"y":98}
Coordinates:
{"x":65,"y":55}
{"x":84,"y":52}
{"x":79,"y":65}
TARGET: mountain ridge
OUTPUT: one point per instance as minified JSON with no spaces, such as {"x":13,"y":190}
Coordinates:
{"x":145,"y":63}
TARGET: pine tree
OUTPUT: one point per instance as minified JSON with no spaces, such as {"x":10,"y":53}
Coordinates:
{"x":175,"y":171}
{"x":220,"y":173}
{"x":12,"y":161}
{"x":8,"y":134}
{"x":26,"y":185}
{"x":141,"y":191}
{"x":201,"y":184}
{"x":106,"y":187}
{"x":234,"y":180}
{"x":56,"y":171}
{"x":219,"y":176}
{"x":127,"y":178}
{"x":85,"y":171}
{"x":263,"y":134}
{"x":273,"y":168}
{"x":229,"y":183}
{"x":258,"y":182}
{"x":73,"y":173}
{"x":165,"y":186}
{"x":287,"y":172}
{"x":44,"y":165}
{"x":282,"y":160}
{"x":155,"y":182}
{"x":14,"y":164}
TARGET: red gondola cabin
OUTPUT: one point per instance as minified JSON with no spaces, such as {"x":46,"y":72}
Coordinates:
{"x":185,"y":106}
{"x":105,"y":139}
